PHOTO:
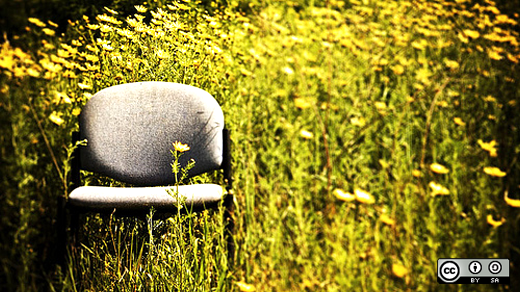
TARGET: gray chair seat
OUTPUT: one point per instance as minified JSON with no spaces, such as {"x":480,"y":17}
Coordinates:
{"x":142,"y":198}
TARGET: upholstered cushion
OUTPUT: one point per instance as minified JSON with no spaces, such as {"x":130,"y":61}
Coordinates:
{"x":142,"y":198}
{"x":130,"y":129}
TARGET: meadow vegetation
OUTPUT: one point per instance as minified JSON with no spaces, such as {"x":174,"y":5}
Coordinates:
{"x":370,"y":138}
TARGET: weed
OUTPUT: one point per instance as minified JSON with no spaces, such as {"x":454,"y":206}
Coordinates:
{"x":370,"y":139}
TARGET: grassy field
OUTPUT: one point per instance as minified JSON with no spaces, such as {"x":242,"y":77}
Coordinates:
{"x":370,"y":138}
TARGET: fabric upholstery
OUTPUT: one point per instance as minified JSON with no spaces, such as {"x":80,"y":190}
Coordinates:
{"x":130,"y":129}
{"x":142,"y":198}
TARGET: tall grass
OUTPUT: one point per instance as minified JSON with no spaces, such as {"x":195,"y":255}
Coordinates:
{"x":370,"y":139}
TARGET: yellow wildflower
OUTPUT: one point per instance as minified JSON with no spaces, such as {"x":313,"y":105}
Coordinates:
{"x":495,"y":37}
{"x":288,"y":70}
{"x":92,"y":26}
{"x":63,"y":53}
{"x":380,"y":106}
{"x":110,"y":10}
{"x":179,"y":147}
{"x":69,"y":74}
{"x":132,"y":22}
{"x":423,"y":75}
{"x":84,"y":86}
{"x":140,"y":8}
{"x":472,"y":33}
{"x":438,"y":189}
{"x":484,"y":73}
{"x":52,"y":23}
{"x":19,"y":72}
{"x":70,"y":49}
{"x":442,"y":103}
{"x":157,"y":22}
{"x":492,"y":221}
{"x":214,"y":49}
{"x":364,"y":197}
{"x":344,"y":196}
{"x":91,"y":58}
{"x":441,"y":44}
{"x":358,"y":121}
{"x":56,"y":119}
{"x":511,"y":202}
{"x":61,"y":96}
{"x":109,"y":19}
{"x":214,"y":24}
{"x":459,"y":121}
{"x":36,"y":22}
{"x":382,"y":62}
{"x":162,"y":54}
{"x":462,"y":38}
{"x":7,"y":62}
{"x":398,"y":69}
{"x":105,"y":28}
{"x":420,"y":44}
{"x":489,"y":98}
{"x":48,"y":31}
{"x":495,"y":55}
{"x":49,"y":75}
{"x":416,"y":173}
{"x":107,"y":47}
{"x":493,"y":9}
{"x":125,"y":32}
{"x":512,"y":58}
{"x":387,"y":220}
{"x":244,"y":287}
{"x":33,"y":72}
{"x":301,"y":103}
{"x":245,"y":72}
{"x":494,"y":171}
{"x":384,"y":163}
{"x":453,"y":65}
{"x":331,"y":106}
{"x":306,"y":134}
{"x":439,"y":168}
{"x":399,"y":270}
{"x":502,"y":18}
{"x":489,"y":146}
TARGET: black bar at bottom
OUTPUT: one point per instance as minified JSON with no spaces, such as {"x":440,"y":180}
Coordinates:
{"x":477,"y":280}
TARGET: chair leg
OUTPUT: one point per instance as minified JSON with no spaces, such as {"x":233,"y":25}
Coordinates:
{"x":230,"y":228}
{"x":229,"y":199}
{"x":74,"y":228}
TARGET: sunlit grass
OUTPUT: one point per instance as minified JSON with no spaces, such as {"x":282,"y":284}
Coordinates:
{"x":370,"y":139}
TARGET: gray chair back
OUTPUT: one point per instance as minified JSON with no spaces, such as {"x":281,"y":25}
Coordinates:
{"x":130,"y":129}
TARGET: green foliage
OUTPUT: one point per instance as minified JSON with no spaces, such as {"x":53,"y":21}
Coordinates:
{"x":179,"y":253}
{"x":370,"y":138}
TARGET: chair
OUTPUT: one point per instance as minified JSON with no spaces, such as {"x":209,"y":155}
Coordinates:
{"x":129,"y":130}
